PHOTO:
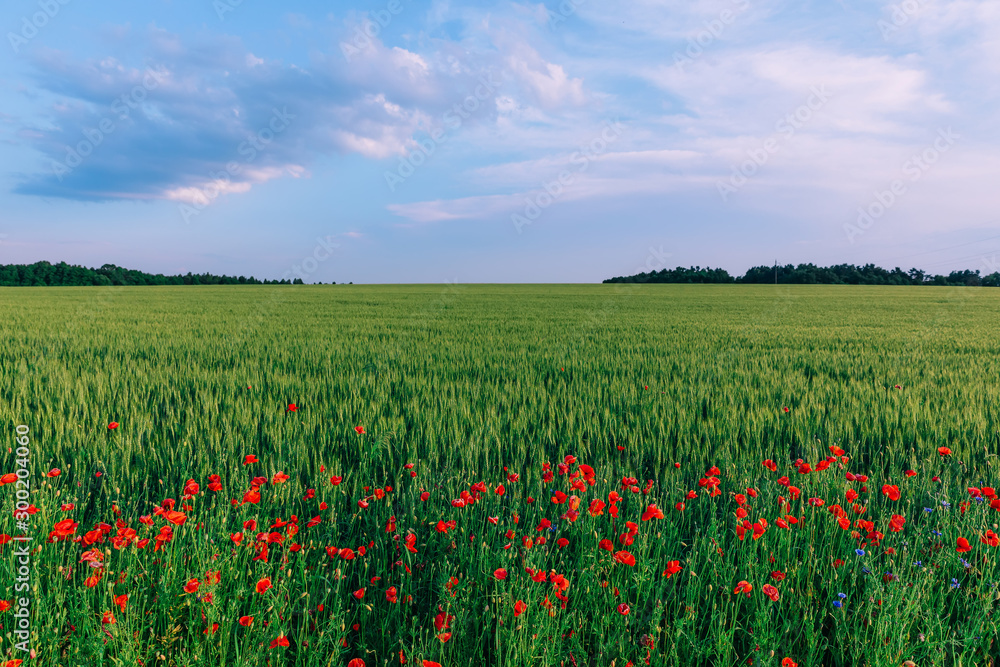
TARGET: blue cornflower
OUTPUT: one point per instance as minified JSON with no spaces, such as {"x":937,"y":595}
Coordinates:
{"x":860,"y":552}
{"x":955,"y":584}
{"x":841,"y":595}
{"x":965,"y":563}
{"x":918,"y":563}
{"x":838,"y":604}
{"x":945,"y":504}
{"x":928,"y":509}
{"x":936,"y":533}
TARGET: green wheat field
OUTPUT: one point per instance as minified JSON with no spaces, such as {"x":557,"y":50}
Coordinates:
{"x":602,"y":475}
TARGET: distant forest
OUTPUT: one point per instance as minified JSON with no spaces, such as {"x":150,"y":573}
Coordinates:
{"x":44,"y":274}
{"x":810,"y":274}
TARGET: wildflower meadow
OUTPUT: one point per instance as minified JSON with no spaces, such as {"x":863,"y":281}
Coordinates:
{"x":608,"y":475}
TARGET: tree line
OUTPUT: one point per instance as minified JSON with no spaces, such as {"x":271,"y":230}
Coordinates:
{"x":810,"y":274}
{"x":45,"y":274}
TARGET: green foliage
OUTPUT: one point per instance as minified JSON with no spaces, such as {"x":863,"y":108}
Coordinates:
{"x":44,"y":274}
{"x":464,"y":382}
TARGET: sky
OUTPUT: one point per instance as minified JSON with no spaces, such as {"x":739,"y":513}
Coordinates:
{"x":437,"y":141}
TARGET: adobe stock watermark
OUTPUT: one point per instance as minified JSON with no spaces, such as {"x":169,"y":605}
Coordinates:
{"x":452,"y":121}
{"x":785,"y":128}
{"x":223,"y":7}
{"x":93,"y":137}
{"x":913,"y":169}
{"x":32,"y":25}
{"x":714,"y":29}
{"x":22,"y":552}
{"x":363,"y":35}
{"x":563,"y":12}
{"x":536,"y":203}
{"x":255,"y":143}
{"x":900,"y":16}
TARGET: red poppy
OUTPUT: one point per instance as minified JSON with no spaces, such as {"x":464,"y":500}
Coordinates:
{"x":444,"y":637}
{"x":652,"y":512}
{"x":248,"y":459}
{"x":625,"y":558}
{"x":280,"y":640}
{"x":743,"y":587}
{"x":55,"y":472}
{"x":430,"y":663}
{"x":9,"y":478}
{"x":963,"y":546}
{"x":788,"y":662}
{"x":891,"y":492}
{"x":771,"y":592}
{"x":360,"y":430}
{"x":944,"y":451}
{"x":673,"y":567}
{"x":191,"y":586}
{"x":292,"y":407}
{"x":112,"y":426}
{"x":519,"y":607}
{"x":623,"y":609}
{"x":562,"y":542}
{"x":990,"y":539}
{"x":245,"y":621}
{"x":263,"y":585}
{"x":390,"y":595}
{"x":356,"y":662}
{"x":606,"y":544}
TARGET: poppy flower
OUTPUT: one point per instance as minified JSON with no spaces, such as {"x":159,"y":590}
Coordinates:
{"x":358,"y":594}
{"x":248,"y":459}
{"x":356,"y":662}
{"x":990,"y":539}
{"x":890,"y":491}
{"x":430,"y":663}
{"x":246,"y":621}
{"x":191,"y":586}
{"x":788,"y":662}
{"x":292,"y":407}
{"x":562,"y":542}
{"x":55,"y":472}
{"x":519,"y":607}
{"x":263,"y":585}
{"x":360,"y":430}
{"x":280,"y":640}
{"x":444,"y":637}
{"x":963,"y":546}
{"x":673,"y":567}
{"x":743,"y":587}
{"x":9,"y":478}
{"x":625,"y":558}
{"x":112,"y":426}
{"x":771,"y":592}
{"x":786,"y":409}
{"x":944,"y":451}
{"x":623,"y":609}
{"x":121,"y":601}
{"x":652,"y":512}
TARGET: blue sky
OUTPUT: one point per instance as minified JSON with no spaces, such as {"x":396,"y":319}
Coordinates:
{"x":441,"y":141}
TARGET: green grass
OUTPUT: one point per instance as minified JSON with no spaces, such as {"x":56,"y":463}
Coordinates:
{"x":463,"y":381}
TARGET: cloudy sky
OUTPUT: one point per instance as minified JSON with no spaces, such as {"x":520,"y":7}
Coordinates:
{"x":492,"y":141}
